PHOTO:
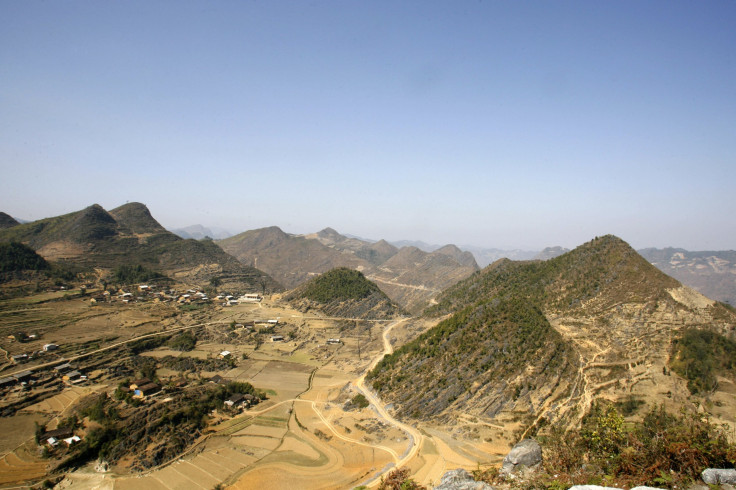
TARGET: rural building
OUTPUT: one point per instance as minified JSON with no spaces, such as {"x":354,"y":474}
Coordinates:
{"x":224,"y":354}
{"x":147,"y":390}
{"x":50,"y":347}
{"x":273,"y":322}
{"x":250,"y":298}
{"x":333,"y":341}
{"x":277,"y":338}
{"x":236,"y":399}
{"x":72,"y":440}
{"x":72,"y":376}
{"x":20,"y":358}
{"x":139,"y":382}
{"x":9,"y":381}
{"x":63,"y":368}
{"x":58,"y":433}
{"x":23,"y":376}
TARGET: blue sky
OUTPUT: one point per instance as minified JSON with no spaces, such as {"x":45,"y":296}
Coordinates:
{"x":499,"y":124}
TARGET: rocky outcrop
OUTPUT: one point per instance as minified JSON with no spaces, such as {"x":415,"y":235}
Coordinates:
{"x":714,"y":476}
{"x":526,"y":454}
{"x":460,"y":479}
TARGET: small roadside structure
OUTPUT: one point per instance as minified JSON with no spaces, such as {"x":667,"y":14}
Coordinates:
{"x":334,"y":341}
{"x":273,"y":322}
{"x":277,"y":338}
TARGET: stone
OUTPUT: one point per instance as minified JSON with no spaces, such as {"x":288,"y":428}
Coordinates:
{"x":460,"y":479}
{"x":715,"y":476}
{"x":592,"y":487}
{"x":525,"y":454}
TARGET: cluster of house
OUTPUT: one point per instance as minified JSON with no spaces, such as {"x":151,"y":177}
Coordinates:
{"x":231,"y":300}
{"x":53,"y":437}
{"x":67,"y":372}
{"x":21,"y":358}
{"x":238,"y":400}
{"x":22,"y":378}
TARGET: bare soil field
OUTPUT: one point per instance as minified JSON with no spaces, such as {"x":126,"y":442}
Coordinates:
{"x":305,"y":435}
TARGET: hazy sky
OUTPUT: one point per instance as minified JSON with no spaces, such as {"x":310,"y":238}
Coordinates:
{"x":494,"y":123}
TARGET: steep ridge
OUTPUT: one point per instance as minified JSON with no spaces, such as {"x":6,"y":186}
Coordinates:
{"x":713,"y":273}
{"x":290,"y":259}
{"x":7,"y":221}
{"x":94,"y":238}
{"x":531,"y":341}
{"x":136,"y":218}
{"x":344,"y":292}
{"x":462,"y":258}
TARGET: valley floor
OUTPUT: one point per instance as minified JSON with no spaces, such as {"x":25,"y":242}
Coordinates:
{"x":306,"y":435}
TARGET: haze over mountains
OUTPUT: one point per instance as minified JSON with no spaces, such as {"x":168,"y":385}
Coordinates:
{"x":409,"y":276}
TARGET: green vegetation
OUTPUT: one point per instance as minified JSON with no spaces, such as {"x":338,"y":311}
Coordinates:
{"x":700,"y":355}
{"x":152,"y":434}
{"x":399,"y":479}
{"x":16,"y":257}
{"x":339,"y":284}
{"x":664,"y":450}
{"x":132,"y":274}
{"x":360,"y":401}
{"x":485,"y":343}
{"x":185,"y":341}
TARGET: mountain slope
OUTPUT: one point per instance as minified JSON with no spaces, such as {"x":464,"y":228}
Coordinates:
{"x":94,"y":238}
{"x":413,"y":278}
{"x":713,"y":273}
{"x":290,"y":259}
{"x":7,"y":221}
{"x":544,"y":339}
{"x":345,"y":293}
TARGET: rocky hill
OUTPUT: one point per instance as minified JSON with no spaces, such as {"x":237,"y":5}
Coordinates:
{"x":290,"y":259}
{"x":551,"y":253}
{"x":7,"y":221}
{"x":527,"y":343}
{"x":712,"y":273}
{"x":199,"y":232}
{"x":344,"y":292}
{"x":129,"y":235}
{"x":374,"y":253}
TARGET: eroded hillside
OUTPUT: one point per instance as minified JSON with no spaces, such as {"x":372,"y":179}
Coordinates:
{"x":603,"y":313}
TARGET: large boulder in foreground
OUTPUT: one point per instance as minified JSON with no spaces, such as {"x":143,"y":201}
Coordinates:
{"x":714,"y":476}
{"x":460,"y":479}
{"x":526,"y":454}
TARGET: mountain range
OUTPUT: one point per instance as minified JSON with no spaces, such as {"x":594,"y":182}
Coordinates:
{"x":94,"y":238}
{"x":409,"y":276}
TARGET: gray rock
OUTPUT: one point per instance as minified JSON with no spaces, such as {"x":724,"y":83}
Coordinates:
{"x":592,"y":487}
{"x":460,"y":479}
{"x":714,"y":476}
{"x":526,"y":454}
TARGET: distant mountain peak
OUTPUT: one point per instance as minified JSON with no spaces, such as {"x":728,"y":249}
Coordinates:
{"x":137,"y":218}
